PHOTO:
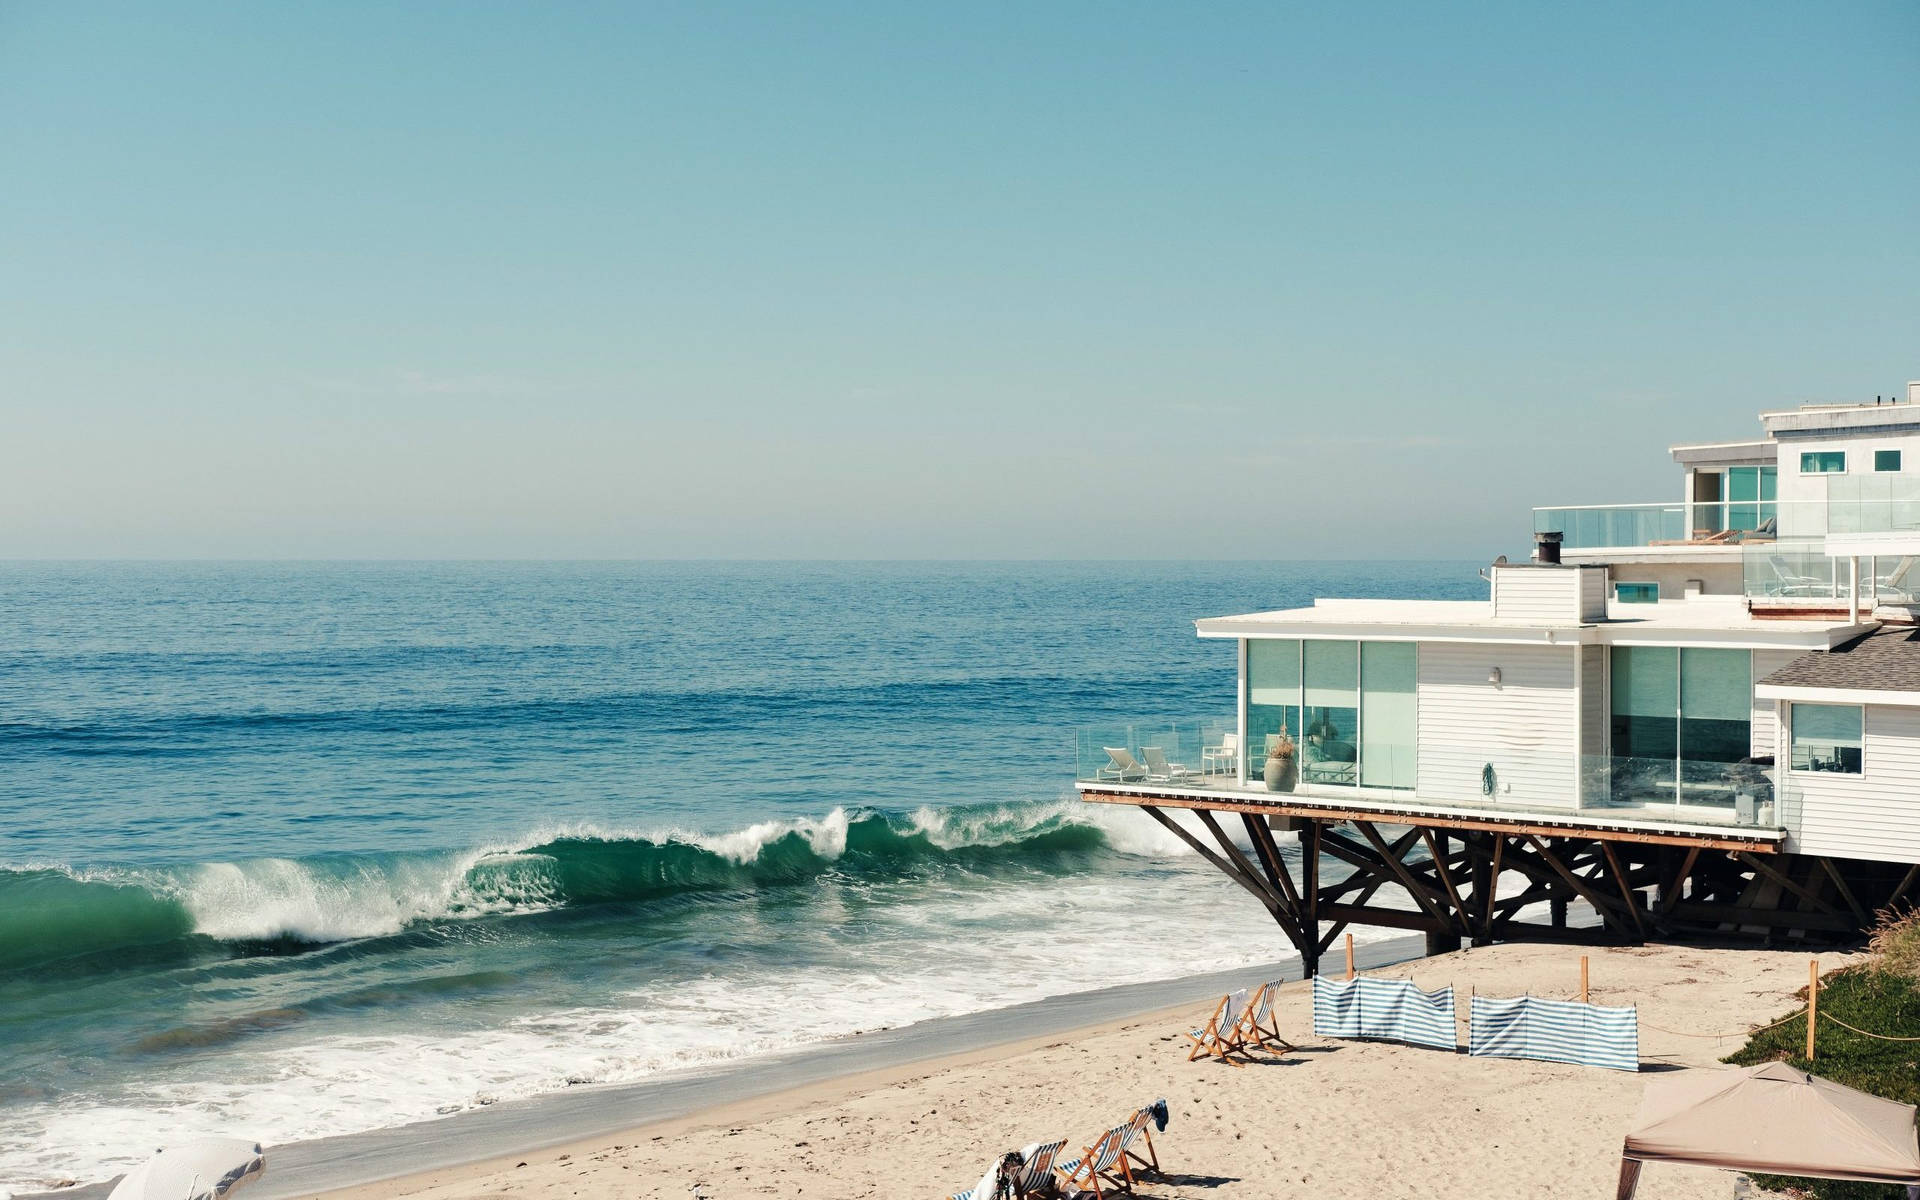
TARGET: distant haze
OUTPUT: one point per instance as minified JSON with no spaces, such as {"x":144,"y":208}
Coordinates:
{"x":815,"y":280}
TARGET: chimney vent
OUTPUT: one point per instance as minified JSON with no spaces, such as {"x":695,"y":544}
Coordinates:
{"x":1546,"y":547}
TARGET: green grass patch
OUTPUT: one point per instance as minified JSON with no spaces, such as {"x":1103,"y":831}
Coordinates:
{"x":1881,"y":995}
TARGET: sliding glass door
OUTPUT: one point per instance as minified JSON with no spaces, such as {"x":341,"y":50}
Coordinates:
{"x":1682,"y":718}
{"x":1348,"y":706}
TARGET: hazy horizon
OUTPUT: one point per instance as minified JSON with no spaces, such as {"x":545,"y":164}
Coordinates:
{"x":846,"y":283}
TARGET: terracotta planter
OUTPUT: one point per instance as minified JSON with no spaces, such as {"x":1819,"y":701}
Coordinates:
{"x":1281,"y":774}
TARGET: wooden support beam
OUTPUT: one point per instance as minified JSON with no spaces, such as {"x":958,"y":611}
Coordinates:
{"x":1310,"y":895}
{"x":1900,"y":893}
{"x":1762,"y":867}
{"x":1393,"y":918}
{"x":1626,"y":892}
{"x":1493,"y":883}
{"x":1771,"y":918}
{"x":1846,"y":893}
{"x":1446,"y":881}
{"x":1267,"y":899}
{"x":1422,"y":895}
{"x":1604,"y":905}
{"x":1670,"y":891}
{"x":1269,"y":854}
{"x":1238,"y":862}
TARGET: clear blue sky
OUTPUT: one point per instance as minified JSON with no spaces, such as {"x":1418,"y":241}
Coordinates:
{"x":965,"y":280}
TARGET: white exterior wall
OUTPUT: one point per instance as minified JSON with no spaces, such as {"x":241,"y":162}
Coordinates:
{"x":1766,"y":728}
{"x":1527,"y":726}
{"x":1872,"y":815}
{"x":1567,"y":595}
{"x":1791,"y":487}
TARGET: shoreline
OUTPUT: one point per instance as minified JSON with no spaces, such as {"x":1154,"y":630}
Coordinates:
{"x":477,"y":1140}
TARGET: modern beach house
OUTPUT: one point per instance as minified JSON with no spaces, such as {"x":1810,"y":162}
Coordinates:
{"x":1697,"y":718}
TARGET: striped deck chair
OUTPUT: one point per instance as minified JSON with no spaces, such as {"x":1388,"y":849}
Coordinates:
{"x":1001,"y":1180}
{"x":1137,"y":1128}
{"x":1036,"y":1179}
{"x":1259,"y":1029}
{"x":1103,"y":1162}
{"x":1216,"y":1036}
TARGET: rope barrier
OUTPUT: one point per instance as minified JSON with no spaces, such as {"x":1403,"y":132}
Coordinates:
{"x":1878,"y":1037}
{"x":1644,"y":1024}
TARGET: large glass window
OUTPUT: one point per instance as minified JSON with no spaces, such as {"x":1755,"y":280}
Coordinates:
{"x":1823,"y":462}
{"x":1750,"y":498}
{"x":1886,"y":460}
{"x":1387,"y":708}
{"x":1348,"y":706}
{"x":1273,"y":696}
{"x":1826,"y":737}
{"x":1681,"y":720}
{"x":1330,"y":752}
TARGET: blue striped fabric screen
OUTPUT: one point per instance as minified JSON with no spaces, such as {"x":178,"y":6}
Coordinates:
{"x":1555,"y":1030}
{"x":1383,"y":1008}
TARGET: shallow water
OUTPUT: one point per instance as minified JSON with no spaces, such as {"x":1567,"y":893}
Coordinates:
{"x":302,"y":849}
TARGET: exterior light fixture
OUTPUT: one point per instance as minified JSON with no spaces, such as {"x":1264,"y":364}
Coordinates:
{"x":1493,"y":676}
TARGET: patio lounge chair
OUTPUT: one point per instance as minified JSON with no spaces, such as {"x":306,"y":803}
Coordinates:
{"x":1159,"y":770}
{"x":1124,"y":768}
{"x":1259,"y":1029}
{"x":1786,"y":583}
{"x":1220,"y":760}
{"x":1103,"y":1162}
{"x":1216,"y":1037}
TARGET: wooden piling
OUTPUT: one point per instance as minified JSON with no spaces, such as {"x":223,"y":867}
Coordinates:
{"x":1349,"y":956}
{"x":1583,"y":979}
{"x":1813,"y":1002}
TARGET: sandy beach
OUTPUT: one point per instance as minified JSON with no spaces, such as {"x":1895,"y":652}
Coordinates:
{"x":1333,"y":1119}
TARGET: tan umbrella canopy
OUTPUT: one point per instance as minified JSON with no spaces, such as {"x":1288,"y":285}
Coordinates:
{"x":1771,"y":1118}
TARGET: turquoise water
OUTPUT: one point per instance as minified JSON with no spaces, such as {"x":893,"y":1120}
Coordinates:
{"x":295,"y":850}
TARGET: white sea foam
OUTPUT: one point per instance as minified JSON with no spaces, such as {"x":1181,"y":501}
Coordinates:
{"x":922,"y":952}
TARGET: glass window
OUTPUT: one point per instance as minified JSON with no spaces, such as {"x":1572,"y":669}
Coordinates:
{"x":1886,"y":460}
{"x":1826,"y":737}
{"x":1716,"y":705}
{"x":1387,"y":708}
{"x":1646,"y":705}
{"x":1823,"y":462}
{"x":1636,"y":593}
{"x":1750,"y":496}
{"x":1273,"y":696}
{"x":1329,"y":753}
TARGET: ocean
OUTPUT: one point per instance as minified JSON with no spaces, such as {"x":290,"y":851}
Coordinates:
{"x":295,"y":850}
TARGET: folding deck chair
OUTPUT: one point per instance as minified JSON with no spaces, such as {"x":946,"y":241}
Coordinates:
{"x":1259,"y":1028}
{"x":1104,"y":1161}
{"x":1002,"y":1179}
{"x":1137,"y":1128}
{"x":1036,"y":1178}
{"x":1216,"y":1037}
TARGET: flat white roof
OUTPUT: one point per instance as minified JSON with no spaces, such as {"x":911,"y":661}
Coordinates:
{"x":1676,"y":622}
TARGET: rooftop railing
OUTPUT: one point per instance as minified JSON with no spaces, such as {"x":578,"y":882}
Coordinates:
{"x":1866,"y":504}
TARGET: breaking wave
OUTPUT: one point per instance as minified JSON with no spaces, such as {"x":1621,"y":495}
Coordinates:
{"x":55,"y":912}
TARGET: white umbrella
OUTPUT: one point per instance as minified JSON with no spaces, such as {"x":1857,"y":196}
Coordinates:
{"x":206,"y":1169}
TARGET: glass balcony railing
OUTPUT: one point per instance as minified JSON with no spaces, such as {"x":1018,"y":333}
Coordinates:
{"x":1705,"y":793}
{"x":1589,"y":526}
{"x":1802,"y":570}
{"x":1194,"y":752}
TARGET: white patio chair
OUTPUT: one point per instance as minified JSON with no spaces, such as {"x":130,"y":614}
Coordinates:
{"x":1221,"y":759}
{"x":1124,"y":768}
{"x":1159,"y":770}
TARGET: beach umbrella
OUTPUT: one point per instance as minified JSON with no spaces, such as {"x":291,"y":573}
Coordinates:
{"x":205,"y":1169}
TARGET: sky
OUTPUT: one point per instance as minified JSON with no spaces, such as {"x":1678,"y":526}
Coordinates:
{"x":821,"y":280}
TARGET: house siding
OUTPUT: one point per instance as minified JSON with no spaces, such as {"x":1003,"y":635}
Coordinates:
{"x":1527,"y":726}
{"x":1766,"y":729}
{"x":1873,"y":815}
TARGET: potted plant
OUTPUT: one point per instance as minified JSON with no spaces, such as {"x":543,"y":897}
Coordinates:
{"x":1281,"y":773}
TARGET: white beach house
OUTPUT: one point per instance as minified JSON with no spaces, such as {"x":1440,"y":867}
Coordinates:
{"x":1697,"y":717}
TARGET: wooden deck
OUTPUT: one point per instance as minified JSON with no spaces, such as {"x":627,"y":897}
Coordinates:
{"x":1645,"y":879}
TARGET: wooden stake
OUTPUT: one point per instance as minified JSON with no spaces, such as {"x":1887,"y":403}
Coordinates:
{"x":1583,"y":979}
{"x":1349,"y":956}
{"x":1813,"y":1001}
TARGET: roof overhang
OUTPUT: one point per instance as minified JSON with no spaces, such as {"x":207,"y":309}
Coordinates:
{"x":1758,"y":635}
{"x":1821,"y":695}
{"x":1726,"y":454}
{"x":1866,"y":545}
{"x":1704,"y":555}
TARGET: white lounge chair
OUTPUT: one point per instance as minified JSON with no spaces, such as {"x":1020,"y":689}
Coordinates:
{"x":1159,"y":770}
{"x":1124,"y":768}
{"x":1221,"y":759}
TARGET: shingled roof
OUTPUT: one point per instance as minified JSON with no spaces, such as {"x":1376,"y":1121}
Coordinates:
{"x":1886,"y":660}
